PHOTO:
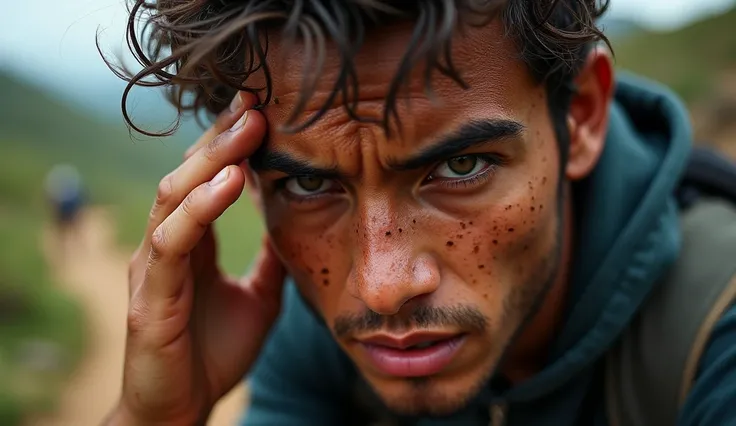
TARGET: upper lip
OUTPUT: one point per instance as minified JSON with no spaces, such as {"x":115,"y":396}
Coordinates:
{"x":406,"y":341}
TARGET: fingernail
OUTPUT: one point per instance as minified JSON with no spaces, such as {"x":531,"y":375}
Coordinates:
{"x":221,"y":177}
{"x":236,"y":103}
{"x":240,"y":123}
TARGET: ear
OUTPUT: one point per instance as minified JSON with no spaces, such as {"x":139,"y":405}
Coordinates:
{"x":587,"y":119}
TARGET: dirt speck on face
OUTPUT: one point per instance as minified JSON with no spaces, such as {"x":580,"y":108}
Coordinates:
{"x":450,"y":244}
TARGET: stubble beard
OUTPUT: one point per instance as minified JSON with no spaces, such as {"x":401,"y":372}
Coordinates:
{"x":519,"y":308}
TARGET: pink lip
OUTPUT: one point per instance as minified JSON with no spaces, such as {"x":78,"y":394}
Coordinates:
{"x":392,"y":356}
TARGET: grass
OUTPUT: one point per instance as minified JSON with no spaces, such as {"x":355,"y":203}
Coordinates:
{"x":36,"y":319}
{"x":688,"y":60}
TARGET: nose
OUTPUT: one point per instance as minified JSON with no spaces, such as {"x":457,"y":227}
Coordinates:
{"x":389,"y":269}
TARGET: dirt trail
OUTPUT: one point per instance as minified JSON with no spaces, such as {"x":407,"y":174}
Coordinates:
{"x":95,"y":271}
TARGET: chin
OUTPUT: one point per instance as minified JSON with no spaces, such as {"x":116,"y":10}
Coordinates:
{"x":431,"y":396}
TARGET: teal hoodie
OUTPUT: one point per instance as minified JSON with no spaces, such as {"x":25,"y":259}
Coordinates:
{"x":628,"y":235}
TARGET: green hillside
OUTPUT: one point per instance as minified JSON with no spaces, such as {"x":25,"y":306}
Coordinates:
{"x":691,"y":60}
{"x":40,"y":122}
{"x":121,"y":170}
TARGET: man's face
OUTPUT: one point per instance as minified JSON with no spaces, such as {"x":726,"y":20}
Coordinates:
{"x":424,"y":252}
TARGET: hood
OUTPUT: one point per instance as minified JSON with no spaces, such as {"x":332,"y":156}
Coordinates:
{"x":627,"y":228}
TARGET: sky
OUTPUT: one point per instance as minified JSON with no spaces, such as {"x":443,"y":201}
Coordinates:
{"x":52,"y":42}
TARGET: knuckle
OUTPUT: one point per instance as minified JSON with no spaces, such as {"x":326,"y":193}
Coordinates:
{"x":164,"y":190}
{"x":188,"y":206}
{"x":212,"y":150}
{"x":190,"y":210}
{"x":158,"y":243}
{"x":137,"y":318}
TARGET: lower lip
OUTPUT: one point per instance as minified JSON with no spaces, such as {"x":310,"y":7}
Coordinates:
{"x":414,"y":362}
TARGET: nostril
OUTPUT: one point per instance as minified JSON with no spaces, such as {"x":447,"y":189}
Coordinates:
{"x":383,"y":302}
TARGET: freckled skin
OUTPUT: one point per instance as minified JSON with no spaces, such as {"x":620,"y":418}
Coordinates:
{"x":390,"y":241}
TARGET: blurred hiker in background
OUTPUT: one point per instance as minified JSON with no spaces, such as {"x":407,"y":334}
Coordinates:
{"x":65,"y":195}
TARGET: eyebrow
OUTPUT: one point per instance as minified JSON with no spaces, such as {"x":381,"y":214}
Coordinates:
{"x":264,"y":160}
{"x":470,"y":134}
{"x":473,"y":133}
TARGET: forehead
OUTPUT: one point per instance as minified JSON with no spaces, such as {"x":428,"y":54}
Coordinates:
{"x":501,"y":85}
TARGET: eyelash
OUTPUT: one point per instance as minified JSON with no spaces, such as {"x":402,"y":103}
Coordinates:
{"x":299,"y":199}
{"x":493,"y":162}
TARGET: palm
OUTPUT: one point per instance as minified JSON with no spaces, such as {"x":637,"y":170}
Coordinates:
{"x":229,"y":319}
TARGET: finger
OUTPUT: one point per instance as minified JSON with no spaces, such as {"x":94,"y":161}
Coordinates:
{"x":242,"y":102}
{"x":204,"y":256}
{"x":177,"y":236}
{"x":229,"y":147}
{"x":266,"y":279}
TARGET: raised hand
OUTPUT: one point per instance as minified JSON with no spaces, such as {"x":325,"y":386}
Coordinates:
{"x":193,"y":332}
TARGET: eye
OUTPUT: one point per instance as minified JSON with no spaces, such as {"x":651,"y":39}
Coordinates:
{"x":304,"y":186}
{"x":460,"y":167}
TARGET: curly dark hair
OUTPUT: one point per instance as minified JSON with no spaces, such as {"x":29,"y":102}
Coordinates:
{"x":203,"y":51}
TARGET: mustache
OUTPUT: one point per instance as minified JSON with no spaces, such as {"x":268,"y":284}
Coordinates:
{"x":466,"y":318}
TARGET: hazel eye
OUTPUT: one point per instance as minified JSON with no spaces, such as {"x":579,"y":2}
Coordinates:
{"x":304,"y":186}
{"x":460,"y":167}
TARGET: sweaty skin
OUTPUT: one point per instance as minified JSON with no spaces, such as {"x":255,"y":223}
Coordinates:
{"x":371,"y":236}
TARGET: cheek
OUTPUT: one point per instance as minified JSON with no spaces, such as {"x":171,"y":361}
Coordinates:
{"x":505,"y":242}
{"x":314,"y":258}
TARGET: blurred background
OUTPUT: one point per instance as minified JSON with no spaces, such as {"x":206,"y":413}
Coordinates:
{"x":63,"y":269}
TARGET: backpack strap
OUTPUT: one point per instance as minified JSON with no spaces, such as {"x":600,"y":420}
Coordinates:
{"x":650,"y":371}
{"x":707,"y":173}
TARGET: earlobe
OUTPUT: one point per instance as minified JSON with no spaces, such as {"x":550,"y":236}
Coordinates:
{"x":588,"y":115}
